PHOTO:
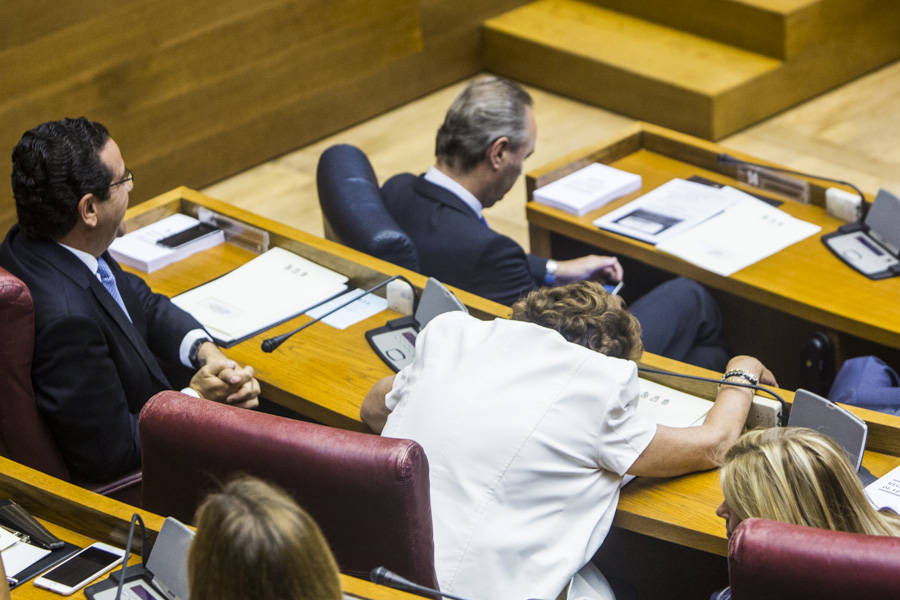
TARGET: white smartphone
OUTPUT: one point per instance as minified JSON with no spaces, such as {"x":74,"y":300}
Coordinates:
{"x":72,"y":574}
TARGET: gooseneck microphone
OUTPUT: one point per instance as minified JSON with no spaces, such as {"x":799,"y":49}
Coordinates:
{"x":727,"y":159}
{"x":383,"y":576}
{"x":268,"y":345}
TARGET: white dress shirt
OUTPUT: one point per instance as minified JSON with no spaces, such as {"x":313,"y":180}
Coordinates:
{"x":527,"y":437}
{"x":439,"y":178}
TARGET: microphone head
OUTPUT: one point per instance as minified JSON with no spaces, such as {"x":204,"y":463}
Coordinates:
{"x":379,"y":575}
{"x":270,"y":344}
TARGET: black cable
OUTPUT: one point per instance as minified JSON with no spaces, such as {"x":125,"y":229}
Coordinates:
{"x":135,"y":518}
{"x":784,"y":408}
{"x":271,"y":344}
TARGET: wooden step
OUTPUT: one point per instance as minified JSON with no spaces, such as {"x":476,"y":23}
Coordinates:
{"x":776,"y":28}
{"x":619,"y":62}
{"x":672,"y":77}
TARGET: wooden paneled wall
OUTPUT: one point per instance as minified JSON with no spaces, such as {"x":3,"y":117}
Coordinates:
{"x":196,"y":91}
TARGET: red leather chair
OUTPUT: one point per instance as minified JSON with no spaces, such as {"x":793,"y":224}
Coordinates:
{"x":768,"y":560}
{"x":370,"y":495}
{"x":24,"y":436}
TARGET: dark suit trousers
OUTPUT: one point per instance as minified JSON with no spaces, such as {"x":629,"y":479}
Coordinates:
{"x":681,"y":320}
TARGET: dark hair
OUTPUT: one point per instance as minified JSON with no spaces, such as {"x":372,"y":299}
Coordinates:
{"x":54,"y":165}
{"x":586,"y":314}
{"x":488,"y":108}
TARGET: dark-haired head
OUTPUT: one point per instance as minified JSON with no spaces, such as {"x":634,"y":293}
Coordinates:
{"x":586,"y":314}
{"x":54,"y":165}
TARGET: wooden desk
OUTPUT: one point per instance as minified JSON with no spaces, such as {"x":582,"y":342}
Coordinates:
{"x":324,"y":373}
{"x":82,"y":517}
{"x":804,"y":280}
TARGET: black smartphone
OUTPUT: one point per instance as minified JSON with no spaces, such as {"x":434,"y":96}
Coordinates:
{"x":188,"y":235}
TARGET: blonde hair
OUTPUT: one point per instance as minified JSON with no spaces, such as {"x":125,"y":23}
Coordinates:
{"x":253,"y":541}
{"x":586,"y":314}
{"x":800,"y":476}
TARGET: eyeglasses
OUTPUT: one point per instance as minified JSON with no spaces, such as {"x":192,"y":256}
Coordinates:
{"x":129,"y":176}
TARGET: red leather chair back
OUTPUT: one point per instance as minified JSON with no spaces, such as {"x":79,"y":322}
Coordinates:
{"x":23,"y":432}
{"x":768,"y":559}
{"x":370,"y":495}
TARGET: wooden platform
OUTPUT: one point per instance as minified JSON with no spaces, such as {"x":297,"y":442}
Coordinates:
{"x":706,"y":67}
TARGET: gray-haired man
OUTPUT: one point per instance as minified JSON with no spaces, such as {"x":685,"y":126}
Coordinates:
{"x":488,"y":132}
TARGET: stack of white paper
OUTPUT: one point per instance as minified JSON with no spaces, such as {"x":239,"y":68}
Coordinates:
{"x":885,"y":492}
{"x":587,"y":189}
{"x":139,"y":249}
{"x":271,"y":288}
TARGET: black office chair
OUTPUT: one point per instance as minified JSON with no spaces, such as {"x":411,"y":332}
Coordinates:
{"x":353,"y":210}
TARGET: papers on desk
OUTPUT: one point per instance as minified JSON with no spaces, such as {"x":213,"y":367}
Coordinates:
{"x":139,"y":249}
{"x":672,"y":208}
{"x":352,"y":313}
{"x":667,"y":406}
{"x":885,"y":491}
{"x":587,"y":189}
{"x":271,"y":288}
{"x":21,"y":555}
{"x":742,"y":235}
{"x":721,"y":230}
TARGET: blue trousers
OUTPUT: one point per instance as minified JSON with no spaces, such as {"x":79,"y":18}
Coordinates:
{"x":867,"y":382}
{"x":681,"y":320}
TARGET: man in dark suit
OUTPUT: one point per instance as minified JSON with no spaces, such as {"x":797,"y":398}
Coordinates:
{"x":103,"y":341}
{"x":488,"y":132}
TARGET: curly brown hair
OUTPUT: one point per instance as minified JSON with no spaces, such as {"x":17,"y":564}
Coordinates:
{"x":586,"y":314}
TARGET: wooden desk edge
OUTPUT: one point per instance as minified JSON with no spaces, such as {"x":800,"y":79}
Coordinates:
{"x":183,"y":199}
{"x":108,"y":520}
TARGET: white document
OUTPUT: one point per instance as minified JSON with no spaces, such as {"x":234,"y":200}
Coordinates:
{"x":885,"y":491}
{"x":667,"y":406}
{"x":7,"y":539}
{"x":20,"y":556}
{"x":742,"y":235}
{"x":665,"y":212}
{"x":139,"y":249}
{"x":352,"y":313}
{"x":587,"y":189}
{"x":271,"y":288}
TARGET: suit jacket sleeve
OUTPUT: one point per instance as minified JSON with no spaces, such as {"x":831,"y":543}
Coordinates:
{"x":538,"y":267}
{"x":166,"y":323}
{"x":86,"y":407}
{"x":503,"y":271}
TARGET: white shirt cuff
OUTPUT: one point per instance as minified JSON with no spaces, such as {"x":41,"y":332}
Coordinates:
{"x":189,"y":338}
{"x":189,"y":391}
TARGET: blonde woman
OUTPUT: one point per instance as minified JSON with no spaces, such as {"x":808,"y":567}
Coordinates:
{"x":799,"y":476}
{"x":253,"y":541}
